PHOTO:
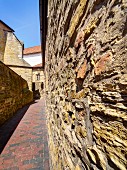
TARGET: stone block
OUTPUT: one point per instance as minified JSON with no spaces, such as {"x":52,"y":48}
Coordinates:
{"x":86,"y":84}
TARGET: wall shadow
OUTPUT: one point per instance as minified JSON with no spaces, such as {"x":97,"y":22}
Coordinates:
{"x":8,"y":128}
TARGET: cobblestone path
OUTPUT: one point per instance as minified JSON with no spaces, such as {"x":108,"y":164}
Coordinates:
{"x":23,"y":140}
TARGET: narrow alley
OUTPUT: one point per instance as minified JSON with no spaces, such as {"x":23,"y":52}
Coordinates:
{"x":27,"y":147}
{"x":72,"y":55}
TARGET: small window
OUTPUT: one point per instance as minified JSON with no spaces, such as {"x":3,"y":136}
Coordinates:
{"x":38,"y":76}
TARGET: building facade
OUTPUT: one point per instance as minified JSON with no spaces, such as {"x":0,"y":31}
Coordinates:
{"x":38,"y":81}
{"x":4,"y":29}
{"x":11,"y":53}
{"x":32,"y":55}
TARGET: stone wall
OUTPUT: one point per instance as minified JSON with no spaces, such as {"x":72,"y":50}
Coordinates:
{"x":86,"y":84}
{"x":14,"y":93}
{"x":25,"y":73}
{"x":3,"y":37}
{"x":13,"y":51}
{"x":13,"y":58}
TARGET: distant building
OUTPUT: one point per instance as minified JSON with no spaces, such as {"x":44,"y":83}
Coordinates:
{"x":11,"y":53}
{"x":33,"y":55}
{"x":38,"y":81}
{"x":25,"y":63}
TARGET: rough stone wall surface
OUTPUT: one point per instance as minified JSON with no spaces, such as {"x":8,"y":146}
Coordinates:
{"x":86,"y":84}
{"x":14,"y":93}
{"x":13,"y":51}
{"x":13,"y":58}
{"x":25,"y":73}
{"x":3,"y":37}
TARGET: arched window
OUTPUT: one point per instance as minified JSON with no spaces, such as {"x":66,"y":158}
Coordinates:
{"x":38,"y":76}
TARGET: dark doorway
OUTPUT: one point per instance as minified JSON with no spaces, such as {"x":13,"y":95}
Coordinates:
{"x":33,"y":86}
{"x":42,"y":86}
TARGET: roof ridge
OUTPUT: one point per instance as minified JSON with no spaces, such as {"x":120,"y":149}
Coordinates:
{"x":32,"y":50}
{"x":7,"y":26}
{"x":33,"y":46}
{"x":38,"y":65}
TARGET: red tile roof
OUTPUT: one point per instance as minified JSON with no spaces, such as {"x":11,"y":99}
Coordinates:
{"x":32,"y":50}
{"x":38,"y":65}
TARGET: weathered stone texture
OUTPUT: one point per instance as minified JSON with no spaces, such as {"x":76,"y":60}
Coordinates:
{"x":3,"y":37}
{"x":14,"y":93}
{"x":14,"y":51}
{"x":86,"y":84}
{"x":13,"y":58}
{"x":25,"y":73}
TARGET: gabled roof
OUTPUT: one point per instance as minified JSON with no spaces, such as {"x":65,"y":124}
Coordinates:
{"x":7,"y":26}
{"x":38,"y":65}
{"x":32,"y":50}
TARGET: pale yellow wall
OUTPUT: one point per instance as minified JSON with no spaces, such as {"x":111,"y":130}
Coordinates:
{"x":25,"y":73}
{"x":35,"y":72}
{"x":39,"y":82}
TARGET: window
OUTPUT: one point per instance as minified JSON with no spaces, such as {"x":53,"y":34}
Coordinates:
{"x":38,"y":76}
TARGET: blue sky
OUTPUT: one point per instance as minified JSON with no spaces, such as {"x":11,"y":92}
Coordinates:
{"x":23,"y":17}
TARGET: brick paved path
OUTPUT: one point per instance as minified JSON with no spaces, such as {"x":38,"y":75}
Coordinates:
{"x":27,"y":148}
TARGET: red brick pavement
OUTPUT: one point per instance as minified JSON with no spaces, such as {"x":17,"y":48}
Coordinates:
{"x":27,"y":148}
